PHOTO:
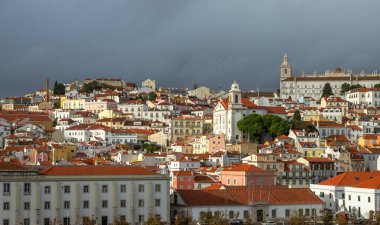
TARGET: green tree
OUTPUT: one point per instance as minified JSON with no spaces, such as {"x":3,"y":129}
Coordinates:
{"x":344,"y":88}
{"x":376,"y":86}
{"x":59,"y":88}
{"x":297,"y":115}
{"x":152,"y":96}
{"x":296,"y":219}
{"x":327,"y":216}
{"x":253,"y":125}
{"x":275,"y":125}
{"x":216,"y":218}
{"x":184,"y":220}
{"x":327,"y":91}
{"x":154,"y":220}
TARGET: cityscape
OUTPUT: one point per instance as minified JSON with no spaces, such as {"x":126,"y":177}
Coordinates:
{"x":193,"y":132}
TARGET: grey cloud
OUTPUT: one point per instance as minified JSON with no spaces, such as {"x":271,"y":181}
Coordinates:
{"x":180,"y":42}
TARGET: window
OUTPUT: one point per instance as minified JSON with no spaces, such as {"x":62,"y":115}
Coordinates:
{"x":47,"y":205}
{"x":104,"y":203}
{"x":307,"y":212}
{"x":369,"y":199}
{"x":287,"y":212}
{"x":26,"y":188}
{"x":141,"y":188}
{"x":47,"y":189}
{"x":246,"y":214}
{"x":300,"y":212}
{"x":122,"y":218}
{"x":157,"y":202}
{"x":141,"y":202}
{"x":66,"y":221}
{"x":104,"y":188}
{"x":66,"y":205}
{"x":86,"y":189}
{"x":123,"y":203}
{"x":322,"y":194}
{"x":228,"y":181}
{"x":66,"y":189}
{"x":231,"y":214}
{"x":358,"y":198}
{"x":27,"y":221}
{"x":26,"y":205}
{"x":6,"y":189}
{"x":46,"y":221}
{"x":330,"y":195}
{"x":349,"y":197}
{"x":123,"y":188}
{"x":235,"y":181}
{"x":141,"y":218}
{"x":6,"y":222}
{"x":6,"y":206}
{"x":157,"y":187}
{"x":86,"y":204}
{"x":274,"y":213}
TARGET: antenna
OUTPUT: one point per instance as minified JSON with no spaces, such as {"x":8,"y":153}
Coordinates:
{"x":220,"y":74}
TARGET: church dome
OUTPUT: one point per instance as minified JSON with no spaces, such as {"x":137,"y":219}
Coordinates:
{"x":235,"y":86}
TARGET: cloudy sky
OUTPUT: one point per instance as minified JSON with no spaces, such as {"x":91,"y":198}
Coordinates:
{"x":182,"y":42}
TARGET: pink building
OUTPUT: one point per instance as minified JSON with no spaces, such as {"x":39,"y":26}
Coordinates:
{"x":246,"y":175}
{"x":183,"y":180}
{"x":216,"y":143}
{"x":97,"y":106}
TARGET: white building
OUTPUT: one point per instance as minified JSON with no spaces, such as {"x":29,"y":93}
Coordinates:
{"x":229,"y":111}
{"x":258,"y":203}
{"x":311,"y":85}
{"x":136,"y":107}
{"x":73,"y":194}
{"x":364,"y":96}
{"x":357,"y":192}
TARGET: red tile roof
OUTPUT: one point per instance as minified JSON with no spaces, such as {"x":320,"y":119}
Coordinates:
{"x":95,"y":171}
{"x":350,"y":178}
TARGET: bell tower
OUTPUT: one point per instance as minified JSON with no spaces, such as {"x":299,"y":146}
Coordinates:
{"x":286,"y":68}
{"x":235,"y":96}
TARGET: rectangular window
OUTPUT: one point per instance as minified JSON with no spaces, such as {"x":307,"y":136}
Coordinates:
{"x":26,"y":205}
{"x":66,"y":189}
{"x":26,"y":188}
{"x":66,"y":205}
{"x":157,"y":187}
{"x":307,"y":212}
{"x":246,"y":214}
{"x":349,"y":197}
{"x":358,"y":198}
{"x":274,"y":213}
{"x":287,"y":212}
{"x":157,"y":202}
{"x":141,"y":188}
{"x":104,"y":203}
{"x":86,"y":189}
{"x":6,"y":189}
{"x":47,"y":205}
{"x":6,"y":222}
{"x":105,"y":188}
{"x":369,"y":199}
{"x":86,"y":204}
{"x":123,"y":188}
{"x":141,"y":202}
{"x":122,"y":218}
{"x":46,"y":221}
{"x":6,"y":206}
{"x":231,"y":214}
{"x":27,"y":221}
{"x":322,"y":194}
{"x":66,"y":221}
{"x":47,"y":189}
{"x":123,"y":203}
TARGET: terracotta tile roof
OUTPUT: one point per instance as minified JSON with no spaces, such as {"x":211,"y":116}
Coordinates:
{"x":183,"y":173}
{"x":350,"y":178}
{"x":371,"y":183}
{"x":11,"y":166}
{"x":318,"y":160}
{"x":243,"y":167}
{"x":95,"y":171}
{"x":218,"y":195}
{"x":203,"y":179}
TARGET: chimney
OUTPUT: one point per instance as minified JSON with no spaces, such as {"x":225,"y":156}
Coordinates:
{"x":47,"y":90}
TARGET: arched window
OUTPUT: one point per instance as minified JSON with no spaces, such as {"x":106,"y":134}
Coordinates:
{"x":285,"y":71}
{"x":236,"y":98}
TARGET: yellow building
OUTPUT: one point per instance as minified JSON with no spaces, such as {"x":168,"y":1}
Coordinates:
{"x":76,"y":103}
{"x":186,"y":125}
{"x":62,"y":152}
{"x":149,"y":84}
{"x":201,"y":92}
{"x":369,"y":140}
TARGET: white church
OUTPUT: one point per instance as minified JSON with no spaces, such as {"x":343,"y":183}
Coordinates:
{"x":230,"y":110}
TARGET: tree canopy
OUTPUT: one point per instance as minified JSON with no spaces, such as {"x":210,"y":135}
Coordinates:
{"x":327,"y":91}
{"x":376,"y":86}
{"x":94,"y":85}
{"x":59,"y":88}
{"x":347,"y":87}
{"x":216,"y":218}
{"x":256,"y":125}
{"x":298,"y":124}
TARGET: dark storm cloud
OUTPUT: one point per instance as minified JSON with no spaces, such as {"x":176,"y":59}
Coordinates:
{"x":182,"y":42}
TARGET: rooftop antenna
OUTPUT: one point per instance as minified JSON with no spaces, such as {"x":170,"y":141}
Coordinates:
{"x":220,"y":74}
